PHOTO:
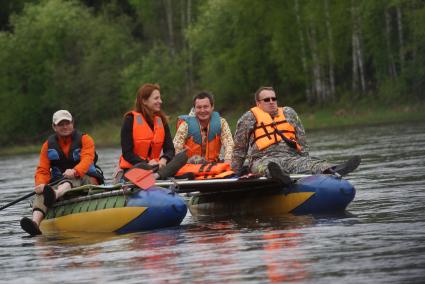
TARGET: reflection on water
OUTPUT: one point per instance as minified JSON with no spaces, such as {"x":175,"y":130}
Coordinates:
{"x":380,"y":239}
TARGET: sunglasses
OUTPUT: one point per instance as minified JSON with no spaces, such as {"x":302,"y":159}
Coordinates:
{"x":267,"y":100}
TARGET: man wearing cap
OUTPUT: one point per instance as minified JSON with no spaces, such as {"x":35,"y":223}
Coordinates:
{"x":68,"y":157}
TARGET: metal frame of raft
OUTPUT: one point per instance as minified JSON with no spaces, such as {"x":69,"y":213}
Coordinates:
{"x":218,"y":185}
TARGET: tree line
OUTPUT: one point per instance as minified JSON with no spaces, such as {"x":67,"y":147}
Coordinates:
{"x":90,"y":56}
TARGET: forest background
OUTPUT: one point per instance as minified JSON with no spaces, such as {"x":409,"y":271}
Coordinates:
{"x":336,"y":62}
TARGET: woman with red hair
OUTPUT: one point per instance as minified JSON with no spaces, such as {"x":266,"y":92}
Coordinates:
{"x":145,"y":136}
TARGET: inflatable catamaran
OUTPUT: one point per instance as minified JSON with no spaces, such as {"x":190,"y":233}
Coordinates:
{"x":125,"y":208}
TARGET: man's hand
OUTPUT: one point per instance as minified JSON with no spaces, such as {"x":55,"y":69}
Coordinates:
{"x":39,"y":188}
{"x":70,"y":173}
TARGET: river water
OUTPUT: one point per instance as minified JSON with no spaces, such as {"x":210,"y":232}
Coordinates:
{"x":380,"y":239}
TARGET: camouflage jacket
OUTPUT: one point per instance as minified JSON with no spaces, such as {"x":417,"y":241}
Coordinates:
{"x":245,"y":148}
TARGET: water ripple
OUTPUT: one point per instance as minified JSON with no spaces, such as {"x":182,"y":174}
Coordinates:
{"x":381,"y":239}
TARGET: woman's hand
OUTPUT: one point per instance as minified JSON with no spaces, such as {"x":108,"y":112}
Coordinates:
{"x":162,"y":162}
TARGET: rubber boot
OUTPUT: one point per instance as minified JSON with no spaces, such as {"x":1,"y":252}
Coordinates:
{"x":346,"y":167}
{"x":173,"y":166}
{"x":278,"y":175}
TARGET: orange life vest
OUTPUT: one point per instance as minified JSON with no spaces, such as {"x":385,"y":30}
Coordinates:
{"x":147,"y":143}
{"x":268,"y":130}
{"x":207,"y":170}
{"x":194,"y":138}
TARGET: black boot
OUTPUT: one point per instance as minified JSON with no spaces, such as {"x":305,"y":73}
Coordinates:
{"x":278,"y":175}
{"x":49,"y":196}
{"x":30,"y":227}
{"x":346,"y":167}
{"x":173,"y":166}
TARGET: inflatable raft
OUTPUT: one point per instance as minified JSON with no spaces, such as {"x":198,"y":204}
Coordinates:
{"x":314,"y":194}
{"x":120,"y":209}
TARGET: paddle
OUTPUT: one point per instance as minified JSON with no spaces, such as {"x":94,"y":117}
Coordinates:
{"x":17,"y":200}
{"x":27,"y":195}
{"x":142,"y":178}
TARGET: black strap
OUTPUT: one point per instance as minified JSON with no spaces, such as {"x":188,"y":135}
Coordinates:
{"x":201,"y":169}
{"x":277,"y":132}
{"x":262,"y":125}
{"x":268,"y":134}
{"x":291,"y":143}
{"x":207,"y":166}
{"x":211,"y":165}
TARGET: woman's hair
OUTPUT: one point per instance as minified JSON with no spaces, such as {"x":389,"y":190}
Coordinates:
{"x":144,"y":93}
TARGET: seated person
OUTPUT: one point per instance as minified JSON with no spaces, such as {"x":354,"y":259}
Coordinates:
{"x":205,"y":133}
{"x":68,"y":156}
{"x":146,"y":139}
{"x":273,"y":140}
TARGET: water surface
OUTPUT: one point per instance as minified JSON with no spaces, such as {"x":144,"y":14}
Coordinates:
{"x":380,"y":239}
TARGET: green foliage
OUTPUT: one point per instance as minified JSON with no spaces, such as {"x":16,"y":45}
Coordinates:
{"x":161,"y":67}
{"x":60,"y":56}
{"x":415,"y":68}
{"x":240,"y":47}
{"x":8,"y":8}
{"x":91,"y":56}
{"x":233,"y":49}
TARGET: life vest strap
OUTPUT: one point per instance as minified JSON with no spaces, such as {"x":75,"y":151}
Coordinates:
{"x":273,"y":128}
{"x":263,"y":126}
{"x":206,"y":170}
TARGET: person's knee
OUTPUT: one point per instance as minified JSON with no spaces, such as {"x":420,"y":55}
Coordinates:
{"x":259,"y":168}
{"x":65,"y":186}
{"x":94,"y":180}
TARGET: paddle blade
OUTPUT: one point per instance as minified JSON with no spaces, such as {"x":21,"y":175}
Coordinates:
{"x":142,"y":178}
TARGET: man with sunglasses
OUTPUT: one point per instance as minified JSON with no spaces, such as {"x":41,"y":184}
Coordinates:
{"x":273,"y":141}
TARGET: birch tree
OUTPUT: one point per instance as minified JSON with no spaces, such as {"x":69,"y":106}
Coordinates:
{"x":170,"y":27}
{"x":400,"y":35}
{"x":330,"y":47}
{"x":303,"y":55}
{"x":388,"y":31}
{"x":357,"y":51}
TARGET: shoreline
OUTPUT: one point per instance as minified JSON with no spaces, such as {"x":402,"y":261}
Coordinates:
{"x":107,"y":134}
